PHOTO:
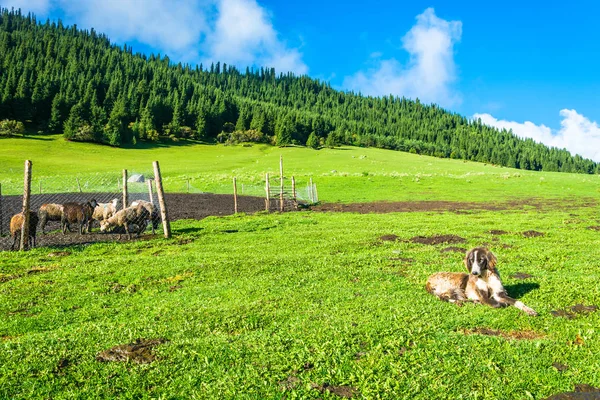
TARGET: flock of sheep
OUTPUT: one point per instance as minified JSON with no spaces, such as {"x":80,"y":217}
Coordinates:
{"x":133,"y":219}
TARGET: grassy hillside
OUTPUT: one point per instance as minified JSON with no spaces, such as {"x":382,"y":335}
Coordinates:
{"x":271,"y":306}
{"x":347,"y":174}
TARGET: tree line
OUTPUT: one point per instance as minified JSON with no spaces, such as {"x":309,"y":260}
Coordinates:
{"x":62,"y":79}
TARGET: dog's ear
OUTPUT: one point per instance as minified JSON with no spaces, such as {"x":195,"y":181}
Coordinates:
{"x":492,"y":260}
{"x":469,"y":259}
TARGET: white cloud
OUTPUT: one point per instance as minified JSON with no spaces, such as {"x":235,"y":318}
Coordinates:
{"x":244,"y":35}
{"x":238,"y":32}
{"x":430,"y":71}
{"x":577,"y":133}
{"x":38,"y":7}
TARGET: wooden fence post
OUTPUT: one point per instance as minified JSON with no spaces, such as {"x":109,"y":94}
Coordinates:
{"x":125,"y":200}
{"x":235,"y":208}
{"x":26,"y":193}
{"x":281,"y":183}
{"x":1,"y":213}
{"x":164,"y":215}
{"x":294,"y":189}
{"x":78,"y":184}
{"x":150,"y":190}
{"x":267,"y":189}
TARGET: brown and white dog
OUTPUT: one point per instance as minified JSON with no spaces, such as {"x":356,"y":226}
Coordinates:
{"x":481,"y":285}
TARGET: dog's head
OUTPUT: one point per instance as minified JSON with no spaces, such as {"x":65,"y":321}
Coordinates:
{"x":480,"y":259}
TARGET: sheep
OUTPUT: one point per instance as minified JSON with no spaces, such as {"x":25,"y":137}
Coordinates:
{"x":49,"y":212}
{"x":134,"y":215}
{"x":152,"y":211}
{"x":104,"y":211}
{"x":16,"y":225}
{"x":81,"y":214}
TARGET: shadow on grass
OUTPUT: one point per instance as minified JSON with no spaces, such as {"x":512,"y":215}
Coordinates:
{"x":518,"y":290}
{"x":187,"y":230}
{"x":27,"y":137}
{"x":164,"y":143}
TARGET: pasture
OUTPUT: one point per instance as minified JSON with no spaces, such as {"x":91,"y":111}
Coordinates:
{"x":312,"y":304}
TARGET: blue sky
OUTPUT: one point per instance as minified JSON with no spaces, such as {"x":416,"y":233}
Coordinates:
{"x":527,"y":65}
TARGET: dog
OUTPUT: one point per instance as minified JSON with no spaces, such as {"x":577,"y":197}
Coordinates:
{"x":481,"y":285}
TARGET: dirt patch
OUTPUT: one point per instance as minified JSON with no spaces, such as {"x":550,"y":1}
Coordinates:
{"x":594,"y":228}
{"x":560,"y":367}
{"x":289,"y":383}
{"x":457,"y":207}
{"x":388,"y":238}
{"x":498,"y":232}
{"x":582,"y":392}
{"x":62,"y":364}
{"x":139,"y":352}
{"x":454,"y":249}
{"x":174,"y":288}
{"x":437,"y":239}
{"x":530,"y":234}
{"x":574,"y":311}
{"x":6,"y":277}
{"x":521,"y":275}
{"x":518,"y":335}
{"x":346,"y":392}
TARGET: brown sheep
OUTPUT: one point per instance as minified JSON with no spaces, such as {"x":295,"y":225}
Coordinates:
{"x":16,"y":225}
{"x":125,"y":219}
{"x":49,"y":212}
{"x":152,"y":211}
{"x":80,"y":214}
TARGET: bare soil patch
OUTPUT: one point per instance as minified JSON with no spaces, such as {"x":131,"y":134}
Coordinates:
{"x":388,"y":238}
{"x":289,"y":383}
{"x":518,"y":335}
{"x":454,"y":249}
{"x":346,"y":392}
{"x":574,"y":311}
{"x":594,"y":228}
{"x":582,"y":392}
{"x":459,"y":207}
{"x":498,"y":232}
{"x":139,"y":351}
{"x":438,"y":239}
{"x":560,"y":367}
{"x":521,"y":275}
{"x":530,"y":234}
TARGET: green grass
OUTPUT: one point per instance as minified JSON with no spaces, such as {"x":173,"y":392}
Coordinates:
{"x":261,"y":296}
{"x":247,"y":302}
{"x":346,"y":174}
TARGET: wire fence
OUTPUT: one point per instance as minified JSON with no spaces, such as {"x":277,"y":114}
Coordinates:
{"x":52,"y":199}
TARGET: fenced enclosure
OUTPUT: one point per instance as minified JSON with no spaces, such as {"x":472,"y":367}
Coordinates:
{"x":120,"y":189}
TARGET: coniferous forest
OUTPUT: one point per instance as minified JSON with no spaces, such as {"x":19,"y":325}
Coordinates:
{"x":60,"y":79}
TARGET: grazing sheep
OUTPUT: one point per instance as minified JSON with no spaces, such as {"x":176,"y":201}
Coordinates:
{"x":124,"y":219}
{"x":49,"y":212}
{"x":80,"y":214}
{"x":16,"y":225}
{"x":152,"y":211}
{"x":104,"y":211}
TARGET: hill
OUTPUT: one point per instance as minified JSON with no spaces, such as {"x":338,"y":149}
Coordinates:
{"x":346,"y":174}
{"x":62,"y":79}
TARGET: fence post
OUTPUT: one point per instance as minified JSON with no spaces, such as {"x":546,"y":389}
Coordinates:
{"x":267,"y":189}
{"x":161,"y":200}
{"x":281,"y":183}
{"x":78,"y":184}
{"x":1,"y":213}
{"x":235,"y":208}
{"x":150,"y":190}
{"x":124,"y":189}
{"x":26,"y":193}
{"x":294,"y":189}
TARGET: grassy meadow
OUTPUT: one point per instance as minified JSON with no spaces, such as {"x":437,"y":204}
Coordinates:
{"x":346,"y":174}
{"x":306,"y":304}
